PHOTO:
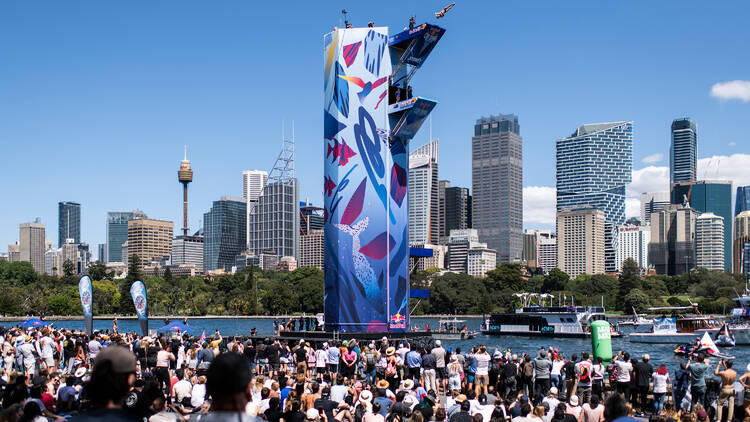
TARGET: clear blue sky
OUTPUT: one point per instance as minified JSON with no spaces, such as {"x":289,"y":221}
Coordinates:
{"x":98,"y":98}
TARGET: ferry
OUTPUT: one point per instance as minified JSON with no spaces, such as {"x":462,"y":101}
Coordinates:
{"x":675,"y":329}
{"x":568,"y":321}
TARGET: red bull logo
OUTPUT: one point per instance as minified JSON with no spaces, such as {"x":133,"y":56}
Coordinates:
{"x":398,"y":321}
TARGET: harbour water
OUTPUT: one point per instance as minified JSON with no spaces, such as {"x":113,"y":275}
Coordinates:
{"x":660,"y":353}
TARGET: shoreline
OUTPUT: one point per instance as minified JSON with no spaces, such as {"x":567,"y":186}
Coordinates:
{"x":180,"y":317}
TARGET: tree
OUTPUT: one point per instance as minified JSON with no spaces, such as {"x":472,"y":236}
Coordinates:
{"x":69,"y":269}
{"x":555,"y":281}
{"x":505,"y":276}
{"x":168,"y":277}
{"x":98,"y":271}
{"x":59,"y":305}
{"x":459,"y":293}
{"x":636,"y":299}
{"x":630,"y":279}
{"x":597,"y":285}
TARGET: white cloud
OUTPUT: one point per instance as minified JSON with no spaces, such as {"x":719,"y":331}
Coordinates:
{"x":648,"y":179}
{"x":539,"y":204}
{"x":732,"y":144}
{"x":653,"y":158}
{"x":732,"y":90}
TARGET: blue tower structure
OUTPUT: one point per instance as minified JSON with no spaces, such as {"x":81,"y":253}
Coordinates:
{"x":370,"y":114}
{"x":742,"y":201}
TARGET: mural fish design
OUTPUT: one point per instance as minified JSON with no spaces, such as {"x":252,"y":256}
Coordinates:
{"x":362,"y":269}
{"x":340,"y":151}
{"x":328,"y":186}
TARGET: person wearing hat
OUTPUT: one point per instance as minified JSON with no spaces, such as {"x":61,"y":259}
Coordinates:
{"x":551,"y":398}
{"x":381,"y":397}
{"x":228,"y":383}
{"x":574,"y":408}
{"x":312,"y":415}
{"x":110,"y":383}
{"x":441,"y":364}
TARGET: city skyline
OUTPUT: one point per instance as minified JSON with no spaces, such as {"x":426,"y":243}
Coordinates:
{"x":218,"y":116}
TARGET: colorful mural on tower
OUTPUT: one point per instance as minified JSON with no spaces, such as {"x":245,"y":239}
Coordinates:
{"x":362,"y":246}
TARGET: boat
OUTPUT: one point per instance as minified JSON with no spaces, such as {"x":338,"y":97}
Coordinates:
{"x":676,"y":329}
{"x":453,"y":329}
{"x":636,"y":320}
{"x":545,"y":321}
{"x":739,"y":323}
{"x":706,"y":348}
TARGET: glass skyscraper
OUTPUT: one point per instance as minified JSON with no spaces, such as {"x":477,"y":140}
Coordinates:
{"x":594,"y":165}
{"x":709,"y":196}
{"x":742,"y":201}
{"x":117,"y":232}
{"x":497,"y":185}
{"x":424,"y":204}
{"x":274,"y":223}
{"x":224,"y":233}
{"x":68,"y":222}
{"x":683,"y":151}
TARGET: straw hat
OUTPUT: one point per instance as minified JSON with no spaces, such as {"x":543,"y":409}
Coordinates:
{"x":382,"y":384}
{"x":80,"y":372}
{"x":407,"y":384}
{"x":390,"y":351}
{"x":461,"y":398}
{"x":365,"y":396}
{"x":574,"y":400}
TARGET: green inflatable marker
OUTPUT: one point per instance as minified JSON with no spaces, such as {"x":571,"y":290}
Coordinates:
{"x":601,"y":340}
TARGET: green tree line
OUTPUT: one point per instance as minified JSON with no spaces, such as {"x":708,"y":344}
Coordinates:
{"x":253,"y":291}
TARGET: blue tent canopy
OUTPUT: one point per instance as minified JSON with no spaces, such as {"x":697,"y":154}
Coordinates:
{"x":175,"y":326}
{"x":34,"y":322}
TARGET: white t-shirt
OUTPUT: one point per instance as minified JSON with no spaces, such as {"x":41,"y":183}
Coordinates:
{"x":660,"y":383}
{"x":182,"y":389}
{"x":623,"y":370}
{"x":483,"y":363}
{"x":45,"y":347}
{"x":338,"y":393}
{"x":557,"y":366}
{"x":321,"y":358}
{"x":198,"y":395}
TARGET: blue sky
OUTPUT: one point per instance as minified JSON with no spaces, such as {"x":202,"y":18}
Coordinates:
{"x":98,"y":98}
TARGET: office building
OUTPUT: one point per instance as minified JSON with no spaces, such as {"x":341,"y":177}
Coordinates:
{"x":632,"y":242}
{"x":311,"y":218}
{"x":311,"y":249}
{"x":117,"y":233}
{"x":101,"y":250}
{"x":742,"y":201}
{"x":457,"y":210}
{"x":581,"y":241}
{"x":672,"y":247}
{"x":424,"y":195}
{"x":442,"y":186}
{"x":594,"y":165}
{"x":14,"y":253}
{"x":540,"y":249}
{"x":459,"y":244}
{"x":150,"y":239}
{"x":274,"y":223}
{"x":84,"y":258}
{"x":188,"y":250}
{"x":480,"y":260}
{"x":741,"y":252}
{"x":497,"y":185}
{"x":709,"y":242}
{"x":53,"y":263}
{"x":286,"y":264}
{"x":224,"y":230}
{"x":31,"y":244}
{"x":437,"y":260}
{"x":253,"y":183}
{"x":652,"y":202}
{"x":683,"y":151}
{"x":68,"y":222}
{"x":709,"y":196}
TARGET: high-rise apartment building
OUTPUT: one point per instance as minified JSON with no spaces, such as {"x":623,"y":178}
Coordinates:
{"x":741,"y":252}
{"x":540,"y":249}
{"x":188,"y":250}
{"x":497,"y":185}
{"x":683,"y":151}
{"x":274,"y":223}
{"x":480,"y":260}
{"x":672,"y":247}
{"x":459,"y":243}
{"x":311,"y":249}
{"x":713,"y":196}
{"x":457,"y":210}
{"x":14,"y":253}
{"x":68,"y":222}
{"x":253,"y":183}
{"x":117,"y":233}
{"x":742,"y":201}
{"x":31,"y":244}
{"x":423,"y":196}
{"x":101,"y":250}
{"x":652,"y":202}
{"x":594,"y":165}
{"x":150,"y":239}
{"x":224,"y":231}
{"x":709,"y":242}
{"x":581,"y":241}
{"x":632,"y":242}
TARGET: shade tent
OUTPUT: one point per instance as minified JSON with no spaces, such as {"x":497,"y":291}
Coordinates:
{"x":175,"y":326}
{"x":34,"y":322}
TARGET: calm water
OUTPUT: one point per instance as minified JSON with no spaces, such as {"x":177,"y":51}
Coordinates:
{"x":660,"y":353}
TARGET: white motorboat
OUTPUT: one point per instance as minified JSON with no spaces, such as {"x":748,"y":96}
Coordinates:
{"x":676,"y":329}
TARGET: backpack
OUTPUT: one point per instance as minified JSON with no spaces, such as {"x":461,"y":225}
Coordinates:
{"x":370,"y":359}
{"x":528,"y":369}
{"x":390,"y":370}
